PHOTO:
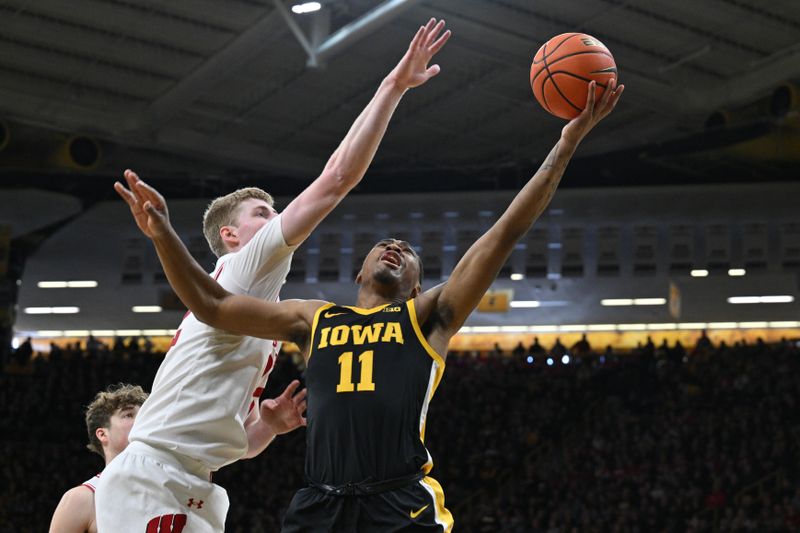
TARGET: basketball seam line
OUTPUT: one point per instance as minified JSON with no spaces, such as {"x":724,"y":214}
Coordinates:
{"x":554,"y":50}
{"x":544,"y":94}
{"x":572,"y":55}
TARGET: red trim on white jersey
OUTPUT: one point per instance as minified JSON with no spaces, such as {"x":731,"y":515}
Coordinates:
{"x":91,"y":484}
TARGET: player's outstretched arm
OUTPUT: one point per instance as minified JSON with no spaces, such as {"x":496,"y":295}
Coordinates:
{"x":350,"y":161}
{"x":75,"y":512}
{"x":477,"y":270}
{"x":275,"y":416}
{"x":207,"y":299}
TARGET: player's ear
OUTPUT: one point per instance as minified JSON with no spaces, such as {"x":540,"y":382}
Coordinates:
{"x":229,"y":235}
{"x":102,"y":435}
{"x":415,"y":291}
{"x":359,"y":277}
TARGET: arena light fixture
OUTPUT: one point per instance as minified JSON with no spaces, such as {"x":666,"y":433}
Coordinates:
{"x":146,"y":309}
{"x":632,"y":327}
{"x":573,"y":327}
{"x":522,"y":304}
{"x":65,"y":310}
{"x":699,"y":273}
{"x":722,"y":325}
{"x":565,"y":359}
{"x":785,"y":324}
{"x":772,"y":299}
{"x":662,"y":326}
{"x":692,"y":325}
{"x":102,"y":332}
{"x":649,"y":301}
{"x":736,"y":272}
{"x":516,"y":276}
{"x":76,"y":333}
{"x":306,"y":7}
{"x":751,"y":325}
{"x":77,"y":284}
{"x":602,"y":327}
{"x":616,"y":302}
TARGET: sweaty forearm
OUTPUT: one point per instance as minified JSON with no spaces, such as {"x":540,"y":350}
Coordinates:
{"x":196,"y":289}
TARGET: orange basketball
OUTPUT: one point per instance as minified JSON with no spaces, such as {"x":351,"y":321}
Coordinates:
{"x":563,"y":68}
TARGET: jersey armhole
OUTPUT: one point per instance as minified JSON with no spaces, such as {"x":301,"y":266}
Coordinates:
{"x":314,"y":329}
{"x":412,"y":313}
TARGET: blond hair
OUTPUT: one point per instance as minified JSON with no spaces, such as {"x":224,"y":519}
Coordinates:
{"x":224,"y":211}
{"x":103,"y":407}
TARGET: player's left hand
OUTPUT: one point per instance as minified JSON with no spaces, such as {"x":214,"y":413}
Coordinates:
{"x":577,"y":128}
{"x":285,"y":413}
{"x":413,"y":69}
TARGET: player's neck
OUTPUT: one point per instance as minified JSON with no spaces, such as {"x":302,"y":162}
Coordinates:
{"x":369,"y":298}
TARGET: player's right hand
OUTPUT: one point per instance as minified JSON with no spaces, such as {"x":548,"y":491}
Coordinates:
{"x":148,"y":207}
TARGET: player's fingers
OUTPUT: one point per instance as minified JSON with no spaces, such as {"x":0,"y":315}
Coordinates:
{"x":151,"y":194}
{"x":303,"y":421}
{"x":590,"y":97}
{"x":300,"y":396}
{"x":608,"y":93}
{"x":432,"y":71}
{"x":440,"y":42}
{"x":417,"y":38}
{"x":126,"y":195}
{"x":433,"y":33}
{"x":301,"y":407}
{"x":290,"y":388}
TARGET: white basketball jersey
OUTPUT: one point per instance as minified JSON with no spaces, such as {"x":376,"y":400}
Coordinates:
{"x":210,"y":379}
{"x":91,"y":484}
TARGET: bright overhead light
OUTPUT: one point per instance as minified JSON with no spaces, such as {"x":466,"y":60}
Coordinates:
{"x":776,"y":299}
{"x":602,"y":327}
{"x":103,"y":332}
{"x":610,"y":302}
{"x":513,"y":329}
{"x":307,"y":7}
{"x":76,"y":333}
{"x":722,"y":325}
{"x":736,"y":272}
{"x":128,"y":332}
{"x":616,"y":301}
{"x":51,"y":310}
{"x":543,"y":329}
{"x":573,"y":327}
{"x":699,"y":273}
{"x":517,"y":277}
{"x":692,"y":325}
{"x":785,"y":324}
{"x":525,"y":303}
{"x":77,"y":284}
{"x":662,"y":326}
{"x":753,"y":324}
{"x":146,"y":308}
{"x":649,"y":301}
{"x":631,"y":327}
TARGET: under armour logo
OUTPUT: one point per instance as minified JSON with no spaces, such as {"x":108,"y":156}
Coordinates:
{"x":168,"y":523}
{"x":198,"y":503}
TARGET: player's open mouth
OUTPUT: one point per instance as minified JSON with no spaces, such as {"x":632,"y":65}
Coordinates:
{"x":391,"y":258}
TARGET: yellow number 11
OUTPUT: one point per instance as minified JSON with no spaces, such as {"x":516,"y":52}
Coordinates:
{"x":346,"y":372}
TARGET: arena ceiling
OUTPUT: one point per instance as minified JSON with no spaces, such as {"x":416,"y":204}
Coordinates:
{"x":202,"y":95}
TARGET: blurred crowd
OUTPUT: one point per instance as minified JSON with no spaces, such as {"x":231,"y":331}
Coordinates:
{"x":660,"y":439}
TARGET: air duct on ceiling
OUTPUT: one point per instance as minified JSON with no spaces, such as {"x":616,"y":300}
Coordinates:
{"x":29,"y":148}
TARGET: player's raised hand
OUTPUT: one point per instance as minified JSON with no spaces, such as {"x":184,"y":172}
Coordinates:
{"x":285,"y":413}
{"x":148,"y":207}
{"x":593,"y":113}
{"x":413,"y":69}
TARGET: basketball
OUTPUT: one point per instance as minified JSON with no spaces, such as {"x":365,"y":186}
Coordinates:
{"x":563,"y":68}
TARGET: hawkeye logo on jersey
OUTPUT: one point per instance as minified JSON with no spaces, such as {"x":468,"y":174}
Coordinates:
{"x":392,"y":309}
{"x":359,"y":334}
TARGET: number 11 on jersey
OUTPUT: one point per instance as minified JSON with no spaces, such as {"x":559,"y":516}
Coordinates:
{"x":365,"y":384}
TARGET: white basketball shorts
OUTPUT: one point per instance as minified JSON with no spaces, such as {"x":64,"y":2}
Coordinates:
{"x":148,"y":490}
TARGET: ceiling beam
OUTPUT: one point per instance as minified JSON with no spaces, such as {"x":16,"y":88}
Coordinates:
{"x":360,"y":28}
{"x":238,"y":51}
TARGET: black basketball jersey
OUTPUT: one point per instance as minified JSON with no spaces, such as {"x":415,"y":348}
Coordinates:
{"x":370,"y":378}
